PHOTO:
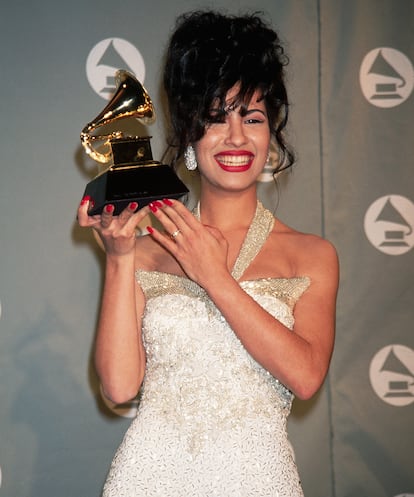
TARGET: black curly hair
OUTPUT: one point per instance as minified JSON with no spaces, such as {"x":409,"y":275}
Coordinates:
{"x":209,"y":53}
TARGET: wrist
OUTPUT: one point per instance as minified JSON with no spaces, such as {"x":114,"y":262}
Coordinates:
{"x":220,"y":285}
{"x":115,"y":262}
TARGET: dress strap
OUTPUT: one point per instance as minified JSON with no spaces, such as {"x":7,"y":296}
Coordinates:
{"x":257,"y":234}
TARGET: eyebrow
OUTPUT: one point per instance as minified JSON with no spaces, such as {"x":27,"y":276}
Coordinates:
{"x":242,"y":110}
{"x":245,"y":112}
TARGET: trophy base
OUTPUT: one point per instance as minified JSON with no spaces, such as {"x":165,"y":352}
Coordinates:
{"x":138,"y":183}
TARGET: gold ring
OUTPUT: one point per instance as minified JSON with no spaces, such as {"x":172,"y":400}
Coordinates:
{"x":176,"y":233}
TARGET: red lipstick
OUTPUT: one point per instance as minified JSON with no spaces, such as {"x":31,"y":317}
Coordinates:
{"x":234,"y":161}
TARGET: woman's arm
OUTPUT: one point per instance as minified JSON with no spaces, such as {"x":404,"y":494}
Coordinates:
{"x":298,"y":358}
{"x":119,"y":353}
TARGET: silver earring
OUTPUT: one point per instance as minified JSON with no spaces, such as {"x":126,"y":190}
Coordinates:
{"x":190,"y":158}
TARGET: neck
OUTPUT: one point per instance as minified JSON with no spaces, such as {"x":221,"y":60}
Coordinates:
{"x":227,"y":212}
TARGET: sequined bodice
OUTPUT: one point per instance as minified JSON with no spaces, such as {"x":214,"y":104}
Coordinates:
{"x":199,"y":376}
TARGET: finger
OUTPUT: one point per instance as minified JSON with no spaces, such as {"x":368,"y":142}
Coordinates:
{"x":164,"y":240}
{"x":178,"y":211}
{"x":133,"y":216}
{"x":83,"y":217}
{"x":171,"y":228}
{"x":175,"y":234}
{"x":128,"y":212}
{"x":175,"y":218}
{"x":107,"y":215}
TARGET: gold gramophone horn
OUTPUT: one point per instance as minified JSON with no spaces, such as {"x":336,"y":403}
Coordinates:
{"x":129,"y":100}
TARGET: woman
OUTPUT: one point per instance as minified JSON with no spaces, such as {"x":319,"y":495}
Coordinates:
{"x":225,"y":314}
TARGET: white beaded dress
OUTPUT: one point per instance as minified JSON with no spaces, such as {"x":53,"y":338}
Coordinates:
{"x":211,"y":421}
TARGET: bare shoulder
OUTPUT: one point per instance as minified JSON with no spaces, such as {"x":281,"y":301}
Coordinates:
{"x":313,"y":247}
{"x":319,"y":259}
{"x":310,"y":254}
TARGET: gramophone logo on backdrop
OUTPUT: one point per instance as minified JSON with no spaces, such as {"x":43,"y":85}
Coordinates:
{"x":386,"y":77}
{"x":389,"y":224}
{"x":392,"y":375}
{"x":105,"y":58}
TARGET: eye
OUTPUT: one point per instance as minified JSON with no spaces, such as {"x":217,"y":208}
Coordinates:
{"x":254,"y":120}
{"x":255,"y":116}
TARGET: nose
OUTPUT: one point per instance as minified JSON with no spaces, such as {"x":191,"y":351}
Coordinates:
{"x":236,"y":135}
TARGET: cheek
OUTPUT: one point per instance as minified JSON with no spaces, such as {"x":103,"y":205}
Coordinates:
{"x":204,"y":146}
{"x":202,"y":154}
{"x":267,"y":139}
{"x":263,"y":142}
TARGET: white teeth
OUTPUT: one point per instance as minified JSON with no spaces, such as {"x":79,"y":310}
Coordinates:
{"x":234,"y":160}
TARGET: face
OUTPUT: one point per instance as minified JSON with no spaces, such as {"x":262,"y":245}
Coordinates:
{"x":232,"y":153}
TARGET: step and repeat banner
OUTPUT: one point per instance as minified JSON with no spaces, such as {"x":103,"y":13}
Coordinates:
{"x":351,"y":83}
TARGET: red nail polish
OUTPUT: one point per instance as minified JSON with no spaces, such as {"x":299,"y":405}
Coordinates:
{"x":157,"y":204}
{"x":167,"y":201}
{"x":153,"y":207}
{"x":132,"y":206}
{"x":85,"y":199}
{"x":150,"y":230}
{"x":109,"y":208}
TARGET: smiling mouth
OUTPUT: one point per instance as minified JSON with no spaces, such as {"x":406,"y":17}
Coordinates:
{"x":239,"y":162}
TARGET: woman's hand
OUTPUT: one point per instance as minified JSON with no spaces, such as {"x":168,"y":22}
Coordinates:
{"x":118,"y":233}
{"x":200,"y":250}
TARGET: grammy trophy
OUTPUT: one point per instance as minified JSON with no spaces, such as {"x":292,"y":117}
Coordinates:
{"x":131,"y":174}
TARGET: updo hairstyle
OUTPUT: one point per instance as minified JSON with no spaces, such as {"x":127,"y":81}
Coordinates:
{"x":209,"y":53}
